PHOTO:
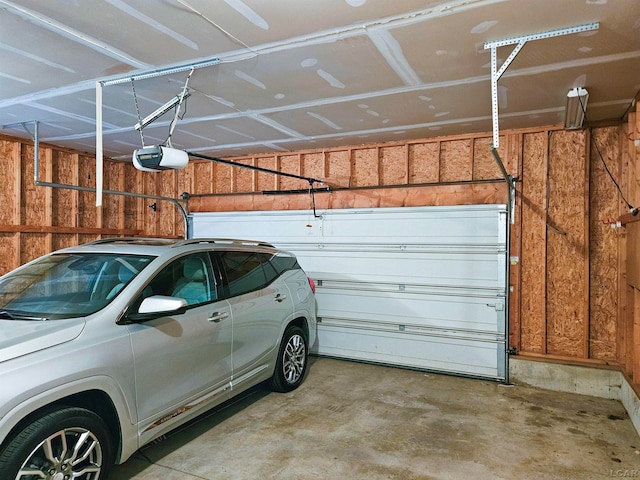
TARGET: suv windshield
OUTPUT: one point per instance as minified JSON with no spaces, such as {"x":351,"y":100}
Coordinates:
{"x":67,"y":285}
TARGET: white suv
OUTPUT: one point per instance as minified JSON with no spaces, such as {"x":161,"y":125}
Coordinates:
{"x":109,"y":345}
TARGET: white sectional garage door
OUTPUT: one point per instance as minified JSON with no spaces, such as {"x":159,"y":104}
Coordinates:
{"x":419,"y":287}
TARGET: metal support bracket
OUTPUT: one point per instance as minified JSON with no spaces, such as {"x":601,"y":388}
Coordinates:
{"x":124,"y":79}
{"x":511,"y":185}
{"x":24,"y":127}
{"x":519,"y":42}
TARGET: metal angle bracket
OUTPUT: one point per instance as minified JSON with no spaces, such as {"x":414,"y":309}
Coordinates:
{"x":128,"y":78}
{"x":33,"y":136}
{"x":519,"y":42}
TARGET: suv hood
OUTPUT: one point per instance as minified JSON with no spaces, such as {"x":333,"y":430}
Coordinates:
{"x":21,"y":337}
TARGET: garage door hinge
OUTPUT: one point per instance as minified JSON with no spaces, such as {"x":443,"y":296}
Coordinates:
{"x":499,"y":306}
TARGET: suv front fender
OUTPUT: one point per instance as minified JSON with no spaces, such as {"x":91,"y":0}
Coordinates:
{"x":123,"y":429}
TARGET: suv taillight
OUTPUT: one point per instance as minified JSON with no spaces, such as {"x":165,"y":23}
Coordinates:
{"x":312,"y":284}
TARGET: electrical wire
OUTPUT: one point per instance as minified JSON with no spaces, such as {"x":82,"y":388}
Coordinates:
{"x":631,"y":105}
{"x":595,"y":144}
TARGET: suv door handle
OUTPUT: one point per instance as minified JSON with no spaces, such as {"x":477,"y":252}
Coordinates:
{"x":280,"y":298}
{"x":218,"y":317}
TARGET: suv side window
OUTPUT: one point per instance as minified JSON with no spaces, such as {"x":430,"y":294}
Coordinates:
{"x":189,"y":277}
{"x":246,"y":271}
{"x":282,"y":263}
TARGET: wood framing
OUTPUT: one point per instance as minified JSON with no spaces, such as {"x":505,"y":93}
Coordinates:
{"x":570,"y":297}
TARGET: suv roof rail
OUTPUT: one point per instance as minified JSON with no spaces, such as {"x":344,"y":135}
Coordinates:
{"x":232,"y":241}
{"x":131,"y":240}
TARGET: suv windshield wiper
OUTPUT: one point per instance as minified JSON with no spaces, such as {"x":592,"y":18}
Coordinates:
{"x":5,"y":314}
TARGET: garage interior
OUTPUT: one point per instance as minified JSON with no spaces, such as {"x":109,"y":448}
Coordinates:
{"x":417,"y":156}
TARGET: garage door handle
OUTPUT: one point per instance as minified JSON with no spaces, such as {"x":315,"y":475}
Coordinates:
{"x":218,"y":317}
{"x":280,"y":298}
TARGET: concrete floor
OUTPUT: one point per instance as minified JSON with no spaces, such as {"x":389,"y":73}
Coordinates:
{"x":356,"y":421}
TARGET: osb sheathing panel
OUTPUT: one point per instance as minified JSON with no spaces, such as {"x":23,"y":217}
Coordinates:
{"x":87,"y":237}
{"x":151,"y":218}
{"x":629,"y":312}
{"x":484,"y":164}
{"x":33,"y":207}
{"x":167,"y":212}
{"x":290,"y":164}
{"x":626,"y":311}
{"x":603,"y":247}
{"x":364,"y":167}
{"x":10,"y":195}
{"x":533,"y":235}
{"x":424,"y":162}
{"x":64,"y":240}
{"x":244,"y":178}
{"x":394,"y":165}
{"x":65,"y":201}
{"x":10,"y":257}
{"x":632,"y":188}
{"x":133,"y":206}
{"x":113,"y":205}
{"x":456,"y":162}
{"x":567,"y":253}
{"x":10,"y":182}
{"x":313,"y":165}
{"x":33,"y":245}
{"x":338,"y":169}
{"x":203,"y":178}
{"x":221,"y":178}
{"x":267,"y":181}
{"x":87,"y":212}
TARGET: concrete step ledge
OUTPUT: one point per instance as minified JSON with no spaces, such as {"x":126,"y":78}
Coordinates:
{"x":605,"y":382}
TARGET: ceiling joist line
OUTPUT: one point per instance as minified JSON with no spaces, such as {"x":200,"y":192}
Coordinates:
{"x":127,"y":79}
{"x":519,"y":42}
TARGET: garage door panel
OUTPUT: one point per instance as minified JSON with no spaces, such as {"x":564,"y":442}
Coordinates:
{"x":401,"y":309}
{"x":445,"y":226}
{"x":442,"y":226}
{"x":421,"y":287}
{"x":478,"y":269}
{"x":407,"y":349}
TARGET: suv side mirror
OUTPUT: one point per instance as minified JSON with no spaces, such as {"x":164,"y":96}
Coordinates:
{"x":159,"y":306}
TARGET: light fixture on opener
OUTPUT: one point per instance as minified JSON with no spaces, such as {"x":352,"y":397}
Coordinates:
{"x":576,"y":107}
{"x":156,"y":158}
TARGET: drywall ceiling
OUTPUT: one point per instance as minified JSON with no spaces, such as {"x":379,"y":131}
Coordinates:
{"x":306,"y":74}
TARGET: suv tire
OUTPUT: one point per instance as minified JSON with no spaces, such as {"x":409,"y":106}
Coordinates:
{"x":88,"y":447}
{"x":291,"y":363}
